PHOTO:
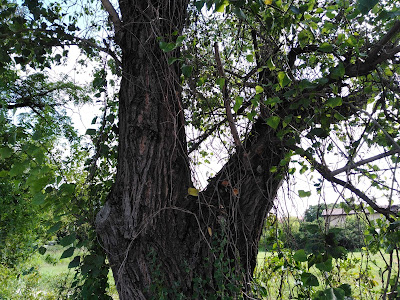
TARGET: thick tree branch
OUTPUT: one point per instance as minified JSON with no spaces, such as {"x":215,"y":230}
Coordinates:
{"x":28,"y":101}
{"x":327,"y":174}
{"x":69,"y":40}
{"x":113,"y":15}
{"x":383,"y":41}
{"x":373,"y":58}
{"x":351,"y":165}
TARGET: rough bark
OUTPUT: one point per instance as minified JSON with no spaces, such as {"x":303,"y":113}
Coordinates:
{"x":153,"y":172}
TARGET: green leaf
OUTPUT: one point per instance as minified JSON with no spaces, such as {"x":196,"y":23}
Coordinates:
{"x":91,"y":131}
{"x":199,"y":5}
{"x":385,"y":15}
{"x":67,"y":189}
{"x":346,"y":288}
{"x":326,"y":47}
{"x":18,"y":168}
{"x":68,"y":253}
{"x":339,"y":117}
{"x":309,"y":279}
{"x":239,"y":13}
{"x":329,"y":294}
{"x":338,"y":72}
{"x":38,"y":199}
{"x":250,"y":58}
{"x":193,"y":192}
{"x":171,"y":60}
{"x":295,"y":9}
{"x":238,"y":104}
{"x":5,"y":152}
{"x":305,"y":36}
{"x":339,"y":293}
{"x":270,"y":64}
{"x":220,"y":82}
{"x":338,"y":252}
{"x":366,"y":5}
{"x":187,"y":70}
{"x":300,"y":256}
{"x":42,"y":250}
{"x":283,"y":79}
{"x":55,"y":227}
{"x":75,"y":262}
{"x":272,"y":101}
{"x":273,"y":121}
{"x":68,"y":240}
{"x":259,"y":89}
{"x":317,"y":132}
{"x":325,"y":265}
{"x":351,"y":41}
{"x":179,"y":40}
{"x":303,"y":194}
{"x":220,"y":5}
{"x":333,"y":102}
{"x":167,"y":47}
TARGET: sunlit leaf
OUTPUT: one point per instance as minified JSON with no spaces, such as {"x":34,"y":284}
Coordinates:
{"x":220,"y":82}
{"x":273,"y":121}
{"x":300,"y":256}
{"x":220,"y":5}
{"x":193,"y":192}
{"x":238,"y":104}
{"x":326,"y":47}
{"x":283,"y":79}
{"x":303,"y":194}
{"x":333,"y":102}
{"x":209,"y":231}
{"x":259,"y":89}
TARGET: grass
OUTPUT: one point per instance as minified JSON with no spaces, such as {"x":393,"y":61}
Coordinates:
{"x":281,"y":278}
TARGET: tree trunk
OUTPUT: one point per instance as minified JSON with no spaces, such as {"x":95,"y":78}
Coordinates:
{"x":159,"y":240}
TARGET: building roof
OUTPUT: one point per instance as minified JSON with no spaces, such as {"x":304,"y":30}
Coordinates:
{"x":336,"y":212}
{"x":341,"y":212}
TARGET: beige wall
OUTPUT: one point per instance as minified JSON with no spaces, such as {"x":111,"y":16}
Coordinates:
{"x":336,"y":220}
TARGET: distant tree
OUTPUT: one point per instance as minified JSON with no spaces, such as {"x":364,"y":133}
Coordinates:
{"x":314,"y":212}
